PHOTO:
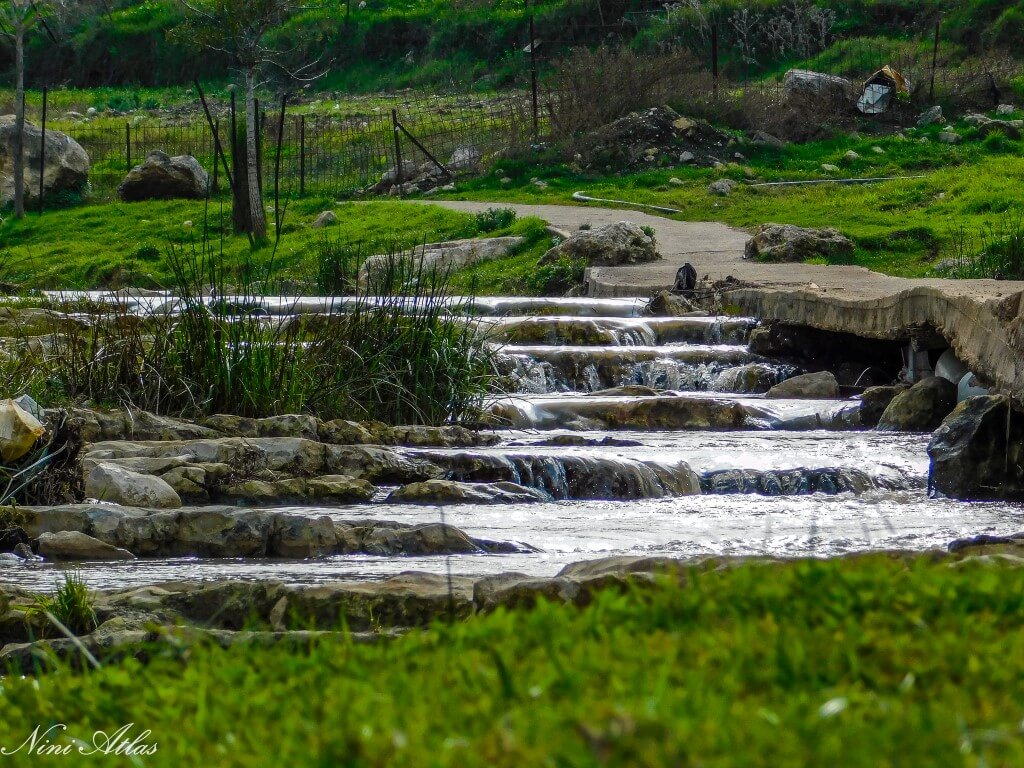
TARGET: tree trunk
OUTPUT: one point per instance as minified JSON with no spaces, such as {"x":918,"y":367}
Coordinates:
{"x":240,"y":191}
{"x":19,"y":119}
{"x":257,"y":214}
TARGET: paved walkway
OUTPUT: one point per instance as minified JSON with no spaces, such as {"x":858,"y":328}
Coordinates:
{"x":716,"y":250}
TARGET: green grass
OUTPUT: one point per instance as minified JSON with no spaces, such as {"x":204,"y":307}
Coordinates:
{"x":114,"y":244}
{"x":901,"y":227}
{"x":863,"y":662}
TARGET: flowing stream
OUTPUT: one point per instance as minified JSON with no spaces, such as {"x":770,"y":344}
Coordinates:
{"x":649,"y":436}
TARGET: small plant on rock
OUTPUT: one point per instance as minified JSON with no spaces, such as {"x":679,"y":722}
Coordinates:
{"x":71,"y":604}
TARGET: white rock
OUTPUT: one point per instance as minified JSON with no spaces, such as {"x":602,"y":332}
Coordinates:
{"x":110,"y":482}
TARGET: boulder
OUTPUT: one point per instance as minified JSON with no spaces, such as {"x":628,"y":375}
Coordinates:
{"x":66,"y":166}
{"x":464,"y":158}
{"x":666,"y":304}
{"x":77,"y":546}
{"x":722,"y":187}
{"x":426,"y":539}
{"x":785,"y":242}
{"x":817,"y":89}
{"x":875,"y":400}
{"x":615,"y":244}
{"x":811,"y":386}
{"x":113,"y":483}
{"x":746,"y":379}
{"x":931,"y":116}
{"x":452,"y":492}
{"x":971,"y":457}
{"x":161,"y":177}
{"x":920,"y":408}
{"x":325,"y":219}
{"x":448,"y":256}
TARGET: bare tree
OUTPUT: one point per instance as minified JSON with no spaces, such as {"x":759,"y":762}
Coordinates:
{"x":16,"y":19}
{"x":239,"y":29}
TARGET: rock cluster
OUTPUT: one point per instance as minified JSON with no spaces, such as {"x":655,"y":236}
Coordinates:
{"x":656,"y":137}
{"x":84,"y":532}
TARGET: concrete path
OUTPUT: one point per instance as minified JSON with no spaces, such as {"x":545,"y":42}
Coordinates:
{"x":716,"y":250}
{"x":983,"y":320}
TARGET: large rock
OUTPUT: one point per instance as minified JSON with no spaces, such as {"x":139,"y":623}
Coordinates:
{"x":161,"y":177}
{"x":620,"y":243}
{"x":785,"y":242}
{"x":814,"y":386}
{"x":971,"y":457}
{"x":77,"y":546}
{"x":448,"y":256}
{"x":818,"y":90}
{"x":66,"y":164}
{"x":875,"y":400}
{"x":453,"y":492}
{"x":113,"y":483}
{"x":921,"y":408}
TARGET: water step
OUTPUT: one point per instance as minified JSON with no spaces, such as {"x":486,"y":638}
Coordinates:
{"x":671,"y":411}
{"x":631,"y":331}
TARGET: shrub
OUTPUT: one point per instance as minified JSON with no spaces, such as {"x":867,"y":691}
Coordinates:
{"x":494,"y":219}
{"x":558,"y":277}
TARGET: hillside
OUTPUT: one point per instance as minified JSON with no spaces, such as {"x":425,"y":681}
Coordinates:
{"x":374,"y":44}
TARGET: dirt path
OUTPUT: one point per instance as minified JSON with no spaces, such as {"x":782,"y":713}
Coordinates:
{"x":716,"y":250}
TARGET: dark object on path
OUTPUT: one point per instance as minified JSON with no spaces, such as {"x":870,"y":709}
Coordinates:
{"x":161,"y":177}
{"x":686,"y":280}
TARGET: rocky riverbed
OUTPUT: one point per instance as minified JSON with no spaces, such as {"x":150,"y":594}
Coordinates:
{"x":621,"y":444}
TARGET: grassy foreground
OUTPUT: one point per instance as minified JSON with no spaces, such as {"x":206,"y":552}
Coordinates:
{"x":867,"y":661}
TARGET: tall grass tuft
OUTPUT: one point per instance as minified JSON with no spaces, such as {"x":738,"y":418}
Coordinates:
{"x":388,"y":351}
{"x":71,"y":604}
{"x":996,"y":252}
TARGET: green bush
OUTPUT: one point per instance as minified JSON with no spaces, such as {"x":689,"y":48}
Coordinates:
{"x":557,"y":278}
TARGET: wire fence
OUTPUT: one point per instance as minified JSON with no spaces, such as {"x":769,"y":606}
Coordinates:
{"x":730,"y":60}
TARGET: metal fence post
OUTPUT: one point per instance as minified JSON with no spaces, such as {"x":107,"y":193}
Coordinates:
{"x":42,"y":149}
{"x":398,"y":150}
{"x":216,"y":175}
{"x":128,"y":145}
{"x":714,"y":58}
{"x":533,"y":79}
{"x":302,"y":155}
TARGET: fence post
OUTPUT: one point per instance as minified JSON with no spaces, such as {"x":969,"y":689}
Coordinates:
{"x":128,"y":145}
{"x":398,"y":151}
{"x":216,"y":175}
{"x":42,"y":150}
{"x":533,"y":79}
{"x":714,"y":58}
{"x":935,"y":59}
{"x":302,"y":155}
